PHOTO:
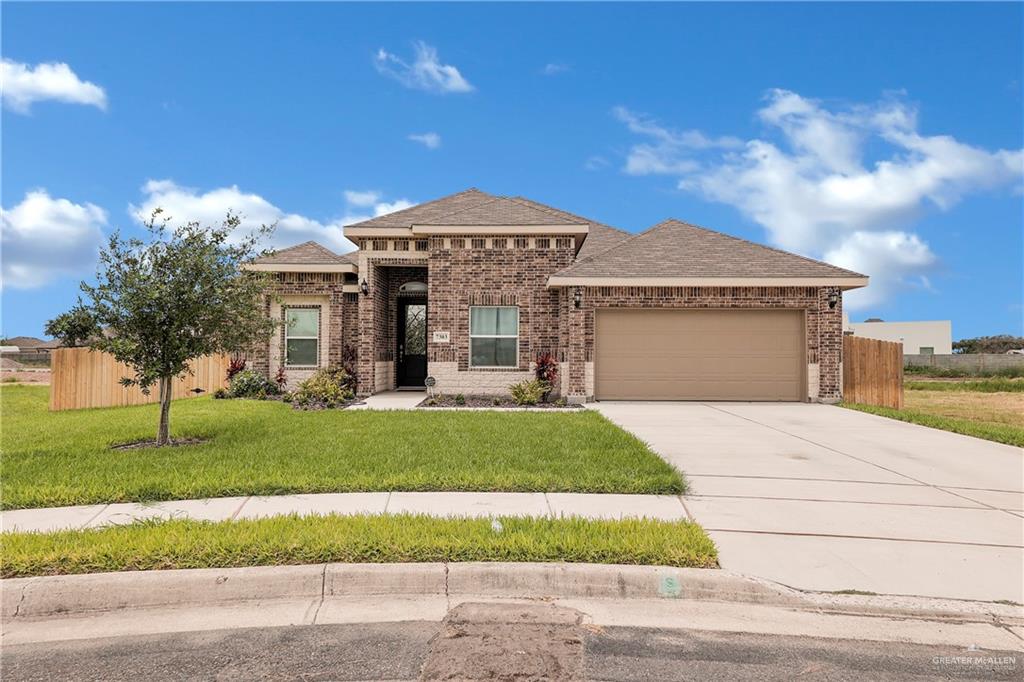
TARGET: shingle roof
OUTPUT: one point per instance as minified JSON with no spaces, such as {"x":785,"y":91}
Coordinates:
{"x":677,"y":249}
{"x":502,"y":211}
{"x":600,"y":237}
{"x":307,"y":253}
{"x":428,"y":211}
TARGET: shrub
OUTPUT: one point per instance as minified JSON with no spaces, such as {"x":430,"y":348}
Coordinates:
{"x":221,"y":394}
{"x":460,"y":399}
{"x":496,"y":401}
{"x":529,"y":392}
{"x":561,"y":402}
{"x":328,"y":387}
{"x":281,"y":379}
{"x":249,"y":383}
{"x":234,"y":367}
{"x":546,"y":369}
{"x":349,"y":356}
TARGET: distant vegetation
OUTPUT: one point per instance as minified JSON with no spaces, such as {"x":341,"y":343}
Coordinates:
{"x":989,"y":344}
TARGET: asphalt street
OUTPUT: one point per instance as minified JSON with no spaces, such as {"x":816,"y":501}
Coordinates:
{"x":494,"y":642}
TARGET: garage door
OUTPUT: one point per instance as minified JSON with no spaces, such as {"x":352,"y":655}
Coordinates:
{"x":649,"y":354}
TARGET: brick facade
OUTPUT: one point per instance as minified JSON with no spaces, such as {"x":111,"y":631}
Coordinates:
{"x":323,"y":290}
{"x":824,"y":325}
{"x":462,"y":271}
{"x":515,"y":272}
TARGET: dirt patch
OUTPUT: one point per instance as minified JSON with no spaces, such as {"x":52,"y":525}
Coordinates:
{"x":490,"y":401}
{"x":995,"y":408}
{"x":25,"y":377}
{"x":175,"y":442}
{"x":507,"y":642}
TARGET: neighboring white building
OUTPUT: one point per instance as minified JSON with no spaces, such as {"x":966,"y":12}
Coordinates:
{"x":919,"y":338}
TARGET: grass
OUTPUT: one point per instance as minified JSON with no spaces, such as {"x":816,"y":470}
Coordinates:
{"x":989,"y":408}
{"x":265,"y":448}
{"x":957,"y":373}
{"x":999,"y":432}
{"x":374,"y":539}
{"x":993,"y":385}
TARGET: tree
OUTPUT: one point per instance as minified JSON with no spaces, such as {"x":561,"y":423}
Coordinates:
{"x":161,"y":303}
{"x":989,"y":344}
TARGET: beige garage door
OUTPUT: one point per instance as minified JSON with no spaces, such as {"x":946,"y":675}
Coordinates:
{"x":650,"y":354}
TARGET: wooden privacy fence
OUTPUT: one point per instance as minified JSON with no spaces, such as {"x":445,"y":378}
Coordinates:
{"x":872,"y":372}
{"x":84,"y":378}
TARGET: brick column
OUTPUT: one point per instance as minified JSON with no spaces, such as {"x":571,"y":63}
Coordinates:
{"x":830,"y":346}
{"x":577,"y":349}
{"x":367,"y":354}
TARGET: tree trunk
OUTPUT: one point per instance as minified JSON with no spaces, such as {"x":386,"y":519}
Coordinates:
{"x":163,"y":436}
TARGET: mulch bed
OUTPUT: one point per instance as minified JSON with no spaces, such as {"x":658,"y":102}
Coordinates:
{"x":490,"y":401}
{"x":175,"y":442}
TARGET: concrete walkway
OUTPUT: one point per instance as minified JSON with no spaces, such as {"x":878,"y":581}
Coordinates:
{"x":819,"y":497}
{"x":445,"y":504}
{"x":391,"y":400}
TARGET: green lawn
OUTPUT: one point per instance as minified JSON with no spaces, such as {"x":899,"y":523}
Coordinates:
{"x":1009,"y":434}
{"x":308,"y":540}
{"x":64,"y":458}
{"x":993,"y":385}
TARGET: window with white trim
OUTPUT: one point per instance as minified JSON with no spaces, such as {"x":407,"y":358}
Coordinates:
{"x":302,"y":337}
{"x":493,"y":336}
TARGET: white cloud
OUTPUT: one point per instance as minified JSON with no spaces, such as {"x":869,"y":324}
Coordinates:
{"x":186,"y":203}
{"x":361,"y":198}
{"x":809,"y":183}
{"x":668,"y":152}
{"x":554,"y":68}
{"x":425,"y":73}
{"x":428,"y":140}
{"x":595,"y":163}
{"x":895,"y":260}
{"x":23,"y":85}
{"x":45,"y":238}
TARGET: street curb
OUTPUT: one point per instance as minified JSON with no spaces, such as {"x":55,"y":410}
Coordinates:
{"x":77,"y":594}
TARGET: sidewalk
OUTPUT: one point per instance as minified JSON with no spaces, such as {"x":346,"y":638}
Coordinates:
{"x":591,"y":506}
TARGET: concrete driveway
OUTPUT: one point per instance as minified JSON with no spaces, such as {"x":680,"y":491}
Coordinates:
{"x":819,"y":497}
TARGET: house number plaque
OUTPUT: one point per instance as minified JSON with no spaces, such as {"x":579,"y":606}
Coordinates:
{"x":442,"y":337}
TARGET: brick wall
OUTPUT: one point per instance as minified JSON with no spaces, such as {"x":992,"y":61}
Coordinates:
{"x":507,"y":271}
{"x":326,"y":289}
{"x":823,"y":325}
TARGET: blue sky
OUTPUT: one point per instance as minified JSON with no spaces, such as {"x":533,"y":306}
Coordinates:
{"x":886,"y":138}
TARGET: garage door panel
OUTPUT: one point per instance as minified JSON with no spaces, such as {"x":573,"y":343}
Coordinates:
{"x":699,"y":354}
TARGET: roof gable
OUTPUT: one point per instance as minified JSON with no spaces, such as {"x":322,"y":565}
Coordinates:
{"x":309,"y":252}
{"x":429,"y":210}
{"x":502,"y":211}
{"x":674,"y":249}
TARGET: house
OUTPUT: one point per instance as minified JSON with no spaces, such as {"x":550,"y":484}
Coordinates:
{"x":469,"y":289}
{"x":933,"y":337}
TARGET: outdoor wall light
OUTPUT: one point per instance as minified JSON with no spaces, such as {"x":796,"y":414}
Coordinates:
{"x":833,"y":299}
{"x":364,"y":287}
{"x":577,"y":297}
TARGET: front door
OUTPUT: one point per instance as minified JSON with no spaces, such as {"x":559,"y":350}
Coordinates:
{"x":412,"y":342}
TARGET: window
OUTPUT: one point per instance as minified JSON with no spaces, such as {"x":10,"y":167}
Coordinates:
{"x":413,"y":288}
{"x":926,"y":350}
{"x":493,"y":336}
{"x":302,"y":337}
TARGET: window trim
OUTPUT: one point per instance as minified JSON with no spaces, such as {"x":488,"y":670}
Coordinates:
{"x":492,"y":336}
{"x":287,"y":336}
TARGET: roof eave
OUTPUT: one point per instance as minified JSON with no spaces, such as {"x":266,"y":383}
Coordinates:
{"x":502,"y":229}
{"x":301,"y":267}
{"x":843,"y":283}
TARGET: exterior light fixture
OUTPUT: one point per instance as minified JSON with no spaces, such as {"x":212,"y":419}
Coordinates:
{"x":364,"y":287}
{"x":577,"y":297}
{"x":833,"y":299}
